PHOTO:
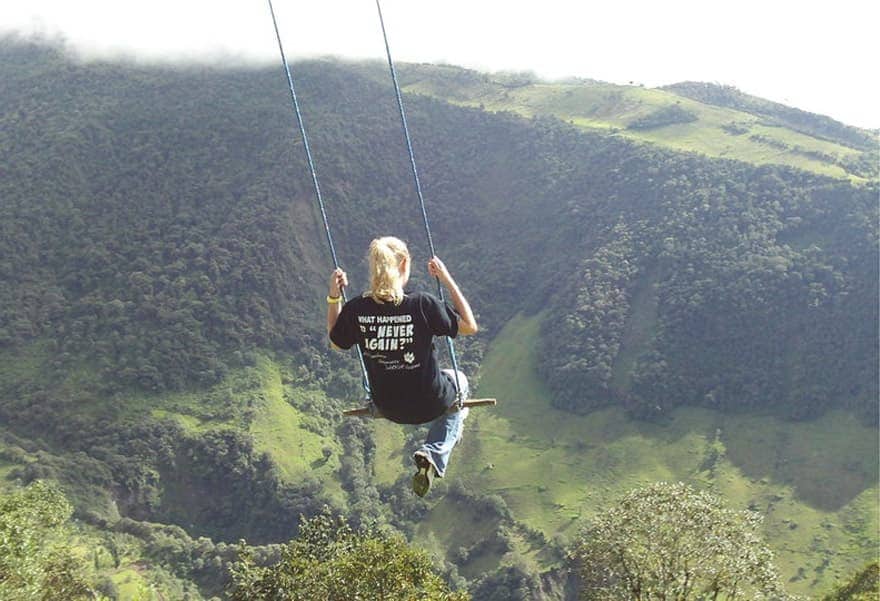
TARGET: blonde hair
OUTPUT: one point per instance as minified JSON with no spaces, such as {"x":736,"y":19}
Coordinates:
{"x":386,"y":281}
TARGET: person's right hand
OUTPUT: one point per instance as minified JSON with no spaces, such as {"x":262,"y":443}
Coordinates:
{"x":438,"y":270}
{"x":338,"y":281}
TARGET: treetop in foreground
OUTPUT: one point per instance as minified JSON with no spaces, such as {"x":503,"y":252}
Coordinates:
{"x":669,"y":541}
{"x":35,"y":560}
{"x":331,"y":561}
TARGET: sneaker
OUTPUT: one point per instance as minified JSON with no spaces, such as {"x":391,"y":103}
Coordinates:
{"x":421,"y":482}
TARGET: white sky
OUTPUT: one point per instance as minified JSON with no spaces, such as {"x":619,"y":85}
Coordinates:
{"x":823,"y":56}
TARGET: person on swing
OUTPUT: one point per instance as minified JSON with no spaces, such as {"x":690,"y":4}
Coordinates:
{"x":395,"y":331}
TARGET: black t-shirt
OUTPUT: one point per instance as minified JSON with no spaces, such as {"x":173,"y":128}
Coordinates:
{"x":396,"y":340}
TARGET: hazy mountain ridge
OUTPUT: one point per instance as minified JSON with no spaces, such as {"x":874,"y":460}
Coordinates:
{"x":718,"y":121}
{"x":811,"y":123}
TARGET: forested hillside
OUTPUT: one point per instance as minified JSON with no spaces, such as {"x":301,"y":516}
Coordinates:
{"x":723,"y":291}
{"x":174,"y":223}
{"x":163,"y":273}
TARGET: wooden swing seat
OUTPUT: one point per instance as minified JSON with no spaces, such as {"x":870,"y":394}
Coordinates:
{"x":365,"y":411}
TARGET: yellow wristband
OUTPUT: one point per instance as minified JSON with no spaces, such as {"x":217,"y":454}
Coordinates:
{"x":334,"y":300}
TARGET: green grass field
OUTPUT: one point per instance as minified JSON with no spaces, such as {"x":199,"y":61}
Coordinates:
{"x":258,"y":399}
{"x":279,"y":430}
{"x":639,"y":331}
{"x":133,"y":586}
{"x":611,"y":108}
{"x":255,"y":399}
{"x":815,"y":482}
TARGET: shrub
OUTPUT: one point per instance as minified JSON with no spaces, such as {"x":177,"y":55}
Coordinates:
{"x":667,"y":115}
{"x":330,"y":560}
{"x":668,"y":541}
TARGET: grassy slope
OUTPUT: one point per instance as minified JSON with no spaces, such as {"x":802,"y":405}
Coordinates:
{"x":613,"y":107}
{"x":277,"y":426}
{"x":390,"y":440}
{"x":816,"y":482}
{"x":281,"y":431}
{"x":136,"y":579}
{"x":639,"y":332}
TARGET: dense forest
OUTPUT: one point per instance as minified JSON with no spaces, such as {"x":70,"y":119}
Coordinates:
{"x":159,"y":232}
{"x":707,"y":281}
{"x":722,"y":290}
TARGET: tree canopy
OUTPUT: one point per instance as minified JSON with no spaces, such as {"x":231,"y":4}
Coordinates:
{"x":330,"y":560}
{"x":669,"y":541}
{"x":36,"y":563}
{"x":863,"y":586}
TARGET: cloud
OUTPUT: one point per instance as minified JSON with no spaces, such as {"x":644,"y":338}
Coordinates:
{"x":818,"y":58}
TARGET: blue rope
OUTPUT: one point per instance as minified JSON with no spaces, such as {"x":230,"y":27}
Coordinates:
{"x":302,"y":130}
{"x":415,"y":172}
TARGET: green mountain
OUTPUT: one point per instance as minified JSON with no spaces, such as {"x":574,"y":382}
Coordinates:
{"x":652,"y":309}
{"x":713,"y":120}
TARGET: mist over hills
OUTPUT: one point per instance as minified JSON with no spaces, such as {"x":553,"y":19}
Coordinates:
{"x":159,"y":237}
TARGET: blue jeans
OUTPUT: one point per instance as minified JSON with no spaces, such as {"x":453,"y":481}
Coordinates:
{"x":446,"y":430}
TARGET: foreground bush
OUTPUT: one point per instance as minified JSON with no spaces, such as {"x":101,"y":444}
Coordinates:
{"x":329,"y":561}
{"x":670,"y":542}
{"x":35,"y":560}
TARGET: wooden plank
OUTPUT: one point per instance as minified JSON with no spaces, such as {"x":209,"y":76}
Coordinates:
{"x":365,"y":411}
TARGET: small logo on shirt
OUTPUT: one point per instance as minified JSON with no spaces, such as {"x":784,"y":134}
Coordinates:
{"x":409,"y":357}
